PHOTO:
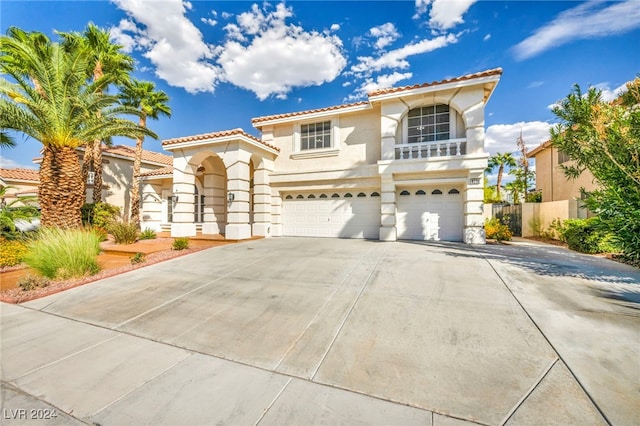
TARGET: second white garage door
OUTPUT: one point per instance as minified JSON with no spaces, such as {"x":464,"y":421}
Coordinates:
{"x":430,"y":214}
{"x":340,"y":215}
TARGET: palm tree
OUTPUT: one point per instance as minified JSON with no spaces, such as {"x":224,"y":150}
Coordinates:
{"x":51,"y":101}
{"x":105,"y":58}
{"x":500,"y":161}
{"x":151,"y":104}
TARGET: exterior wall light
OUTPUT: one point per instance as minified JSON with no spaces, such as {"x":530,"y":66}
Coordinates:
{"x":174,"y":199}
{"x":231,"y":196}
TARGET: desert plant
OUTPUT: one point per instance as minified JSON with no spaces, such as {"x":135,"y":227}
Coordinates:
{"x":12,"y":252}
{"x":137,"y":258}
{"x":554,"y":231}
{"x":535,"y":223}
{"x":496,"y":230}
{"x":64,"y":253}
{"x":31,"y":282}
{"x":124,"y":233}
{"x":148,"y":234}
{"x":181,"y":243}
{"x":99,"y":214}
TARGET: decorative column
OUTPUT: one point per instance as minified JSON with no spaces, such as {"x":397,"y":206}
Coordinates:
{"x":215,"y":202}
{"x":473,"y":209}
{"x":262,"y":199}
{"x":237,"y":163}
{"x":388,"y":230}
{"x":183,"y":189}
{"x":276,"y":213}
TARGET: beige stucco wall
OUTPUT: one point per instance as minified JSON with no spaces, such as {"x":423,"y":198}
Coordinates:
{"x":551,"y":181}
{"x":547,"y":212}
{"x":154,"y":203}
{"x":20,"y":187}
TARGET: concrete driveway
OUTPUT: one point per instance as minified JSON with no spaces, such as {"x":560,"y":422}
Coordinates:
{"x":327,"y":331}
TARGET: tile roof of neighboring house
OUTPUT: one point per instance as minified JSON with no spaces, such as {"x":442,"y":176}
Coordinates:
{"x":20,"y":174}
{"x":487,"y":73}
{"x":129,"y":151}
{"x":537,"y":149}
{"x":214,"y":135}
{"x":158,"y":172}
{"x":312,"y":111}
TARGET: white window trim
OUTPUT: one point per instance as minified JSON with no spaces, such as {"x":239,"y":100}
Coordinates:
{"x":334,"y":150}
{"x":453,"y":123}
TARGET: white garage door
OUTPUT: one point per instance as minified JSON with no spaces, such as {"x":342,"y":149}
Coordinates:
{"x":430,"y":214}
{"x":354,"y":214}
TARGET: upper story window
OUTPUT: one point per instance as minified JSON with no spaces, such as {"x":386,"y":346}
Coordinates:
{"x":428,"y":124}
{"x":315,"y":135}
{"x":91,"y":177}
{"x":562,"y":157}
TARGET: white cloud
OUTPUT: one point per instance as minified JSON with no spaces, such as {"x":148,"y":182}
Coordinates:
{"x":385,"y":35}
{"x":8,"y":163}
{"x":209,"y":21}
{"x":502,"y":137}
{"x":335,"y":27}
{"x":535,"y":84}
{"x":608,"y":94}
{"x":171,"y":42}
{"x":444,"y":14}
{"x":487,"y":37}
{"x":398,"y":58}
{"x":588,"y":20}
{"x":381,"y":82}
{"x":266,"y":55}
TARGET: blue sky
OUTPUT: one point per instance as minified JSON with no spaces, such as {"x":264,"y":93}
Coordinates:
{"x":225,"y":62}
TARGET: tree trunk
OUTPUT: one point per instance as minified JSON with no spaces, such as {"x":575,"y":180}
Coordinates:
{"x":97,"y":170}
{"x":135,"y":188}
{"x":60,"y":190}
{"x":500,"y":171}
{"x":87,"y":162}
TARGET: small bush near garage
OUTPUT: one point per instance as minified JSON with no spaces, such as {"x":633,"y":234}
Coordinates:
{"x":495,"y":230}
{"x":587,"y":236}
{"x":181,"y":243}
{"x":148,"y":234}
{"x":124,"y":233}
{"x":12,"y":252}
{"x":64,"y":253}
{"x":137,"y":258}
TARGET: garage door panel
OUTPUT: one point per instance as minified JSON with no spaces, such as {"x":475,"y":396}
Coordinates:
{"x":430,"y":217}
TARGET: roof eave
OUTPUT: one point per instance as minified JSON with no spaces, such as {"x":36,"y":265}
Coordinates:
{"x":220,"y":139}
{"x":311,"y":115}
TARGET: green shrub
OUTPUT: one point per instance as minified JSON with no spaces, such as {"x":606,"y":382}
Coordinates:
{"x":64,"y":253}
{"x":99,"y":214}
{"x":496,"y":230}
{"x":31,"y":282}
{"x":148,"y":234}
{"x":137,"y":258}
{"x":12,"y":252}
{"x":587,"y":236}
{"x":181,"y":243}
{"x":124,"y":233}
{"x":535,"y":223}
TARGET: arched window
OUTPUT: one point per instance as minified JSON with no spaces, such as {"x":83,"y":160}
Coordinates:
{"x":348,"y":195}
{"x":362,"y":194}
{"x":453,"y":191}
{"x":311,"y":196}
{"x":288,"y":197}
{"x":299,"y":196}
{"x":428,"y":123}
{"x":323,"y":196}
{"x":405,"y":193}
{"x":420,"y":192}
{"x":436,"y":192}
{"x":375,"y":194}
{"x":335,"y":196}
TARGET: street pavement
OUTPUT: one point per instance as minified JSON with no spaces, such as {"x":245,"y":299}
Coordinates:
{"x":329,"y":331}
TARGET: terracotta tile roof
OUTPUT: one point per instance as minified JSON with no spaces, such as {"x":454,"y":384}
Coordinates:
{"x":214,"y":135}
{"x":129,"y":151}
{"x":311,"y":111}
{"x":20,"y":174}
{"x":487,"y":73}
{"x":157,"y":172}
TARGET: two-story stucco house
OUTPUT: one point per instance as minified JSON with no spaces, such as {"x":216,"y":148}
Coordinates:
{"x":405,"y":164}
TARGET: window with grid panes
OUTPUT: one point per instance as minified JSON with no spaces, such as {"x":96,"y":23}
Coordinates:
{"x":315,"y":135}
{"x":428,"y":124}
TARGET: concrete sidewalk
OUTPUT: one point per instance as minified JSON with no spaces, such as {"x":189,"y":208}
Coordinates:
{"x":294,"y":331}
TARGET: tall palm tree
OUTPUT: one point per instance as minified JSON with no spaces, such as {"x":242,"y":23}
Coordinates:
{"x":151,"y":104}
{"x":50,"y":100}
{"x":500,"y":161}
{"x":105,"y":58}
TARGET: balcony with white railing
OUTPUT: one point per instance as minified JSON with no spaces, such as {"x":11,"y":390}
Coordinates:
{"x":428,"y":150}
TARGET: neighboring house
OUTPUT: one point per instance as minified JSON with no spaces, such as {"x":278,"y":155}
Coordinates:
{"x":550,"y":178}
{"x":405,"y":164}
{"x":24,"y":183}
